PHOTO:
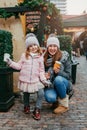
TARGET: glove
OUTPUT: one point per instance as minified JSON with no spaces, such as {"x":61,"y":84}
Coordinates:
{"x":9,"y":61}
{"x":6,"y":56}
{"x":47,"y":83}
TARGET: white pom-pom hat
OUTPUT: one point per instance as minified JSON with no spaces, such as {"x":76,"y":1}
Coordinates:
{"x":53,"y":40}
{"x":31,"y":39}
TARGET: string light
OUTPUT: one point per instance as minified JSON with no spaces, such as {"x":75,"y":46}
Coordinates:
{"x":32,"y":29}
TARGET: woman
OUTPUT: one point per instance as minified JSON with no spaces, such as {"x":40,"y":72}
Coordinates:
{"x":60,"y":76}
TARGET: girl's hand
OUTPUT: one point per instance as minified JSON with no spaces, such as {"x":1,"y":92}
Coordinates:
{"x":8,"y":61}
{"x":47,"y":75}
{"x":47,"y":83}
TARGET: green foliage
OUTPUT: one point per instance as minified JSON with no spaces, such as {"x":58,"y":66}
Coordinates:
{"x":52,"y":9}
{"x":5,"y":45}
{"x":4,"y":14}
{"x":65,"y":43}
{"x":55,"y":21}
{"x":39,"y":4}
{"x":31,"y":3}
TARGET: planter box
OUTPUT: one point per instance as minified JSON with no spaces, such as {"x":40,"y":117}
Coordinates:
{"x":6,"y":89}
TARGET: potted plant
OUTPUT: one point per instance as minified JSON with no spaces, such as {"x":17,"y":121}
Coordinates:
{"x":6,"y":74}
{"x":65,"y":44}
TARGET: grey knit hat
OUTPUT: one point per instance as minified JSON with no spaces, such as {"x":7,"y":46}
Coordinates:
{"x":53,"y":40}
{"x":31,"y":39}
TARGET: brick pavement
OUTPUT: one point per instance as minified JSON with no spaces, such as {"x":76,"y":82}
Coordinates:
{"x":74,"y":119}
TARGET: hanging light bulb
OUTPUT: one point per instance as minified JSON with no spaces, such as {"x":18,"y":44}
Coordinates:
{"x":48,"y":17}
{"x":32,"y":29}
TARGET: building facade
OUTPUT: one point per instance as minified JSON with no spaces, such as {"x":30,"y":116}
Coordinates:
{"x":61,"y":5}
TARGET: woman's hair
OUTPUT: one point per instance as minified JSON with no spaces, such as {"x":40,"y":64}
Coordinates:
{"x":56,"y":57}
{"x":27,"y":52}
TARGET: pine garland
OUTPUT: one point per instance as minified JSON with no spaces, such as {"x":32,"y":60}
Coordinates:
{"x":5,"y":14}
{"x":32,"y":5}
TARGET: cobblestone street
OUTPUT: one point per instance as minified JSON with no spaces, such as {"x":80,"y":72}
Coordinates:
{"x":74,"y":119}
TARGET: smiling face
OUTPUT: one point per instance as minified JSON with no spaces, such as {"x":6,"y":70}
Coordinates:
{"x":33,"y":48}
{"x":52,"y":49}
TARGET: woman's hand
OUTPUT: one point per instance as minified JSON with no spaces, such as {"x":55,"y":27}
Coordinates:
{"x":56,"y":70}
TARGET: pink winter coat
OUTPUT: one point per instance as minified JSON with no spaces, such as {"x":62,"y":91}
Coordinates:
{"x":31,"y":70}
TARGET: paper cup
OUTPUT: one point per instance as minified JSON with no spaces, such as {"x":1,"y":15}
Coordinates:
{"x":6,"y":56}
{"x":57,"y":65}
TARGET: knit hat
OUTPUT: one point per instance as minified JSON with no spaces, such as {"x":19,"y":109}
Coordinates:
{"x":53,"y":40}
{"x":31,"y":39}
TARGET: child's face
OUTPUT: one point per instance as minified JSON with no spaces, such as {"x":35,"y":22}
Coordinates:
{"x":33,"y":48}
{"x":52,"y":49}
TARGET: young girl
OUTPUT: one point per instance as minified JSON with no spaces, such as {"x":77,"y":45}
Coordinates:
{"x":32,"y":74}
{"x":60,"y":76}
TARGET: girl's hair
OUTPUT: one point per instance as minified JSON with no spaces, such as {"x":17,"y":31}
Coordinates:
{"x":27,"y":52}
{"x":56,"y":57}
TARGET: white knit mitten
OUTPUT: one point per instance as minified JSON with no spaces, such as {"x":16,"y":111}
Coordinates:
{"x":7,"y":58}
{"x":9,"y":61}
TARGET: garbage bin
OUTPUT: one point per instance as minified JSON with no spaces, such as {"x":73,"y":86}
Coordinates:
{"x":74,"y":71}
{"x":6,"y":89}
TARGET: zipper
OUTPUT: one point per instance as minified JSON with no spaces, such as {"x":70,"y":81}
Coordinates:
{"x":31,"y":68}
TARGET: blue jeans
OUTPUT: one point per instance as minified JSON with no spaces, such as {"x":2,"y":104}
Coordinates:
{"x":50,"y":95}
{"x":40,"y":96}
{"x":59,"y":90}
{"x":61,"y":85}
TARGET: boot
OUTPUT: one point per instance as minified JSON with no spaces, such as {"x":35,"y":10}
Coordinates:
{"x":26,"y":109}
{"x":63,"y":107}
{"x":36,"y":114}
{"x":60,"y":109}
